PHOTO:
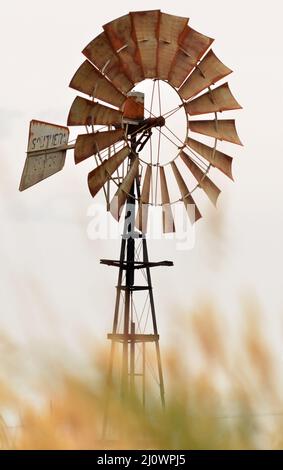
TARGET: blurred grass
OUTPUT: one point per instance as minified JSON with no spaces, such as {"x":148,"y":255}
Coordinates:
{"x":222,"y":390}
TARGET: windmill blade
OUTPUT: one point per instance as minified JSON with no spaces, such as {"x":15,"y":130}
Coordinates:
{"x":191,"y":208}
{"x":91,"y":81}
{"x":209,"y":71}
{"x":211,"y":190}
{"x":100,"y":53}
{"x":84,"y":112}
{"x":121,"y":195}
{"x":181,"y":66}
{"x":217,"y":159}
{"x":170,"y":30}
{"x":91,"y":144}
{"x":217,"y":100}
{"x":120,"y":35}
{"x":194,"y":43}
{"x":167,"y":215}
{"x":98,"y":177}
{"x":142,"y":214}
{"x":146,"y":26}
{"x":192,"y":46}
{"x":223,"y":129}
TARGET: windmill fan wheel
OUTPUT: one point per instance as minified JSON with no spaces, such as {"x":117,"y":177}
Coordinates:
{"x":133,"y":50}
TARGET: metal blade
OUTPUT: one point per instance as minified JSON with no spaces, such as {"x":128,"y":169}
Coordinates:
{"x":217,"y":100}
{"x":191,"y":208}
{"x":209,"y":71}
{"x":120,"y":35}
{"x":181,"y":66}
{"x":91,"y":81}
{"x":142,"y":214}
{"x":146,"y":29}
{"x":98,"y":177}
{"x":217,"y":159}
{"x":222,"y":129}
{"x":167,"y":215}
{"x":84,"y":112}
{"x":204,"y":182}
{"x":91,"y":144}
{"x":194,"y":43}
{"x":100,"y":53}
{"x":171,"y":28}
{"x":118,"y":201}
{"x":192,"y":46}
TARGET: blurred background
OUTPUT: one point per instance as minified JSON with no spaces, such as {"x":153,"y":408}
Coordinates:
{"x":219,"y":309}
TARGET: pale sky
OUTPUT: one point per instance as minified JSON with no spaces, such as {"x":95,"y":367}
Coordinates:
{"x":52,"y":285}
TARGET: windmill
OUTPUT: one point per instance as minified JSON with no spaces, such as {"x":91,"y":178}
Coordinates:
{"x":121,"y":123}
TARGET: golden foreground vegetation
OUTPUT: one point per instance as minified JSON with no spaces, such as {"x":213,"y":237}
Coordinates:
{"x":223,"y":392}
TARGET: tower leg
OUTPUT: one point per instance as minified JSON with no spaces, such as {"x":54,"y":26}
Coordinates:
{"x":132,"y":361}
{"x":109,"y":384}
{"x":155,"y":330}
{"x":125,"y":361}
{"x":130,"y":280}
{"x":143,"y":374}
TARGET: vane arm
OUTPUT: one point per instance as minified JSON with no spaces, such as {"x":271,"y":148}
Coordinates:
{"x":36,"y":153}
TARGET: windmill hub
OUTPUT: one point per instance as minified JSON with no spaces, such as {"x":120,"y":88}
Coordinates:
{"x":144,"y":131}
{"x":157,"y":122}
{"x":147,"y":124}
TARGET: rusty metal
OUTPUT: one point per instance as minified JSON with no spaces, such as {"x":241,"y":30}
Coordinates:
{"x":192,"y":46}
{"x":208,"y":72}
{"x":194,"y":43}
{"x":150,"y":41}
{"x":46,"y":152}
{"x":146,"y":30}
{"x":217,"y":159}
{"x":171,"y":27}
{"x":155,"y":122}
{"x":151,"y":44}
{"x":121,"y":37}
{"x":146,"y":126}
{"x":100,"y":175}
{"x":217,"y":100}
{"x":190,"y":205}
{"x":142,"y":214}
{"x":84,"y":112}
{"x":120,"y":197}
{"x":92,"y":82}
{"x":167,"y":214}
{"x":90,"y":144}
{"x":205,"y":183}
{"x":133,"y":109}
{"x":223,"y":129}
{"x":181,"y":66}
{"x":100,"y":53}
